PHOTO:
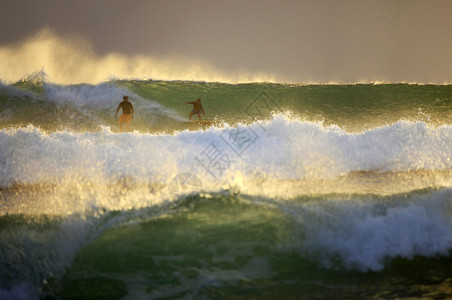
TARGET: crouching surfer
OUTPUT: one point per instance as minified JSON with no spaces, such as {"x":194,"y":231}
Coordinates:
{"x":197,"y":109}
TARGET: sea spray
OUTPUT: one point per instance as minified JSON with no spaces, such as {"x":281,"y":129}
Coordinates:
{"x":325,"y":191}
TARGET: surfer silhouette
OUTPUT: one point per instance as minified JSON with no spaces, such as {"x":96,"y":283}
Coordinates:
{"x":197,"y":109}
{"x":127,"y":113}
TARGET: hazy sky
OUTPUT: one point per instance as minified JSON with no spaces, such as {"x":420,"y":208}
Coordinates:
{"x":292,"y":41}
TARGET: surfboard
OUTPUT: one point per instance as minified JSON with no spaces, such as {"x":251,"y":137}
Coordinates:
{"x":203,"y":122}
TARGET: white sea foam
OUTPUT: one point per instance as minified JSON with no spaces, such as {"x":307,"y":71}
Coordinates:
{"x":284,"y":156}
{"x":104,"y":97}
{"x":287,"y":149}
{"x":365,"y":234}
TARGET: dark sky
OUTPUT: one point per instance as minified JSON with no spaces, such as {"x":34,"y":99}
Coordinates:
{"x":294,"y":41}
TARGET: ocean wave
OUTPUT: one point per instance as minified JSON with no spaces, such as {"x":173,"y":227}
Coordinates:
{"x":367,"y":234}
{"x":279,"y":148}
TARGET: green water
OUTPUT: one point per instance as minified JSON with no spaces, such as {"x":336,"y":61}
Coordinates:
{"x":344,"y":192}
{"x":354,"y":108}
{"x":226,"y":248}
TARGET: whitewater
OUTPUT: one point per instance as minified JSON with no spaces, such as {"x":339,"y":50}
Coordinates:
{"x":312,"y":191}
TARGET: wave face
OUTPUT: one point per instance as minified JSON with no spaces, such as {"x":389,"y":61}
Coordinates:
{"x":340,"y":191}
{"x":160,"y":105}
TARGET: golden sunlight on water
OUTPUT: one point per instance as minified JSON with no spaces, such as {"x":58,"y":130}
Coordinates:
{"x":82,"y":196}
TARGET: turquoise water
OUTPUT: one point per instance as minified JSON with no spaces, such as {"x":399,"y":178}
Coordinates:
{"x":300,"y":191}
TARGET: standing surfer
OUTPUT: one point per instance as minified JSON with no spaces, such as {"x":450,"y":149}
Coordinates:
{"x":197,"y":109}
{"x":127,"y":112}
